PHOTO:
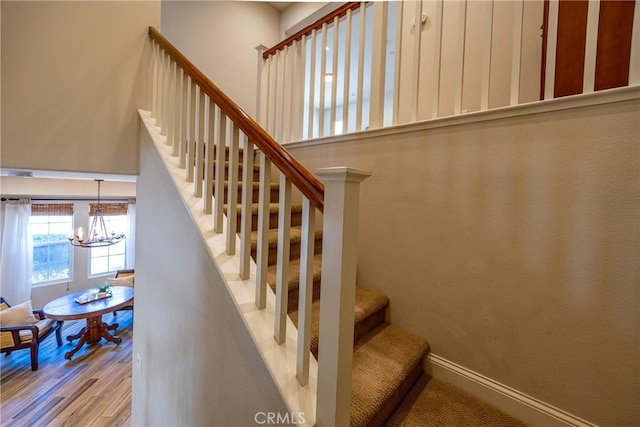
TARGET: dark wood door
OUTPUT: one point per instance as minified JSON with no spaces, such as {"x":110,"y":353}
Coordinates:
{"x":613,"y":52}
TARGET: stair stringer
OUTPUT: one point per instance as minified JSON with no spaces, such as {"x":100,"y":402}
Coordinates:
{"x":280,"y":360}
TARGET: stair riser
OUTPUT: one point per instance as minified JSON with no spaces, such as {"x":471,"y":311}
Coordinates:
{"x":226,"y":154}
{"x":394,"y":400}
{"x":273,"y":197}
{"x":361,"y":329}
{"x":256,"y":173}
{"x":296,"y":220}
{"x":294,"y":295}
{"x":294,"y":251}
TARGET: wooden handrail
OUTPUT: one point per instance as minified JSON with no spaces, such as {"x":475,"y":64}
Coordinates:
{"x":304,"y":180}
{"x":339,"y":12}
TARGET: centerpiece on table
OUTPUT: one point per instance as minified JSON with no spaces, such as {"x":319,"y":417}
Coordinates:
{"x":96,"y":293}
{"x":104,"y":290}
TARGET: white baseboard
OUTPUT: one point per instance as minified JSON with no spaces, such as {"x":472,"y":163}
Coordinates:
{"x":526,"y":408}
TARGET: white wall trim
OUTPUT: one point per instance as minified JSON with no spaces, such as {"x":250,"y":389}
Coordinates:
{"x":627,"y":93}
{"x":509,"y":400}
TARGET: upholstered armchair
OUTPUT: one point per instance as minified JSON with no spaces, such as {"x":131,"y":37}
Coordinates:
{"x":22,"y":327}
{"x":124,"y":278}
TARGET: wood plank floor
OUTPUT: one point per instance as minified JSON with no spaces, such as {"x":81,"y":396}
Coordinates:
{"x":92,"y":389}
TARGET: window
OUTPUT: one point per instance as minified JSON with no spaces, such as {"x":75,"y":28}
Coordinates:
{"x":50,"y":225}
{"x":108,"y":259}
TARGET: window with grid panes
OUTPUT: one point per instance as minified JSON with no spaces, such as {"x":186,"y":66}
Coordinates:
{"x":52,"y":254}
{"x":107,"y":259}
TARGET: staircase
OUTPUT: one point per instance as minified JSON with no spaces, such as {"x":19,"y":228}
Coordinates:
{"x":387,"y":380}
{"x":388,"y":383}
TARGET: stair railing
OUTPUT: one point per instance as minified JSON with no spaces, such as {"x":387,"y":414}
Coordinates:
{"x":202,"y":124}
{"x":372,"y":64}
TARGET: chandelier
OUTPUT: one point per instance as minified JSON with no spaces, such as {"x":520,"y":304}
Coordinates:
{"x":98,"y":235}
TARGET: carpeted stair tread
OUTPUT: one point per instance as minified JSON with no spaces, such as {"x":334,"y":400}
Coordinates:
{"x":255,"y":173}
{"x":296,"y":215}
{"x":273,"y":195}
{"x":256,"y":167}
{"x":433,"y":403}
{"x":226,"y":153}
{"x":255,"y":185}
{"x":386,"y":364}
{"x":294,"y":280}
{"x":273,"y":208}
{"x":295,"y":236}
{"x":370,"y":305}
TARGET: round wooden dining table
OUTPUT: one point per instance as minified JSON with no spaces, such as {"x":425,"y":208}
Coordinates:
{"x":67,"y":307}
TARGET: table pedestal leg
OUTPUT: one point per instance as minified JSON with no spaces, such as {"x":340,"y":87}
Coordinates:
{"x":95,"y":330}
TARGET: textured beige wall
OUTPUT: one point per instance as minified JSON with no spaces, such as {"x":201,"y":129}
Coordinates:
{"x":512,"y":246}
{"x":73,"y":75}
{"x":220,"y":38}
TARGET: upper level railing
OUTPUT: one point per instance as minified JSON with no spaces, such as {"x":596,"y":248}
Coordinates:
{"x":373,"y":64}
{"x":205,"y":129}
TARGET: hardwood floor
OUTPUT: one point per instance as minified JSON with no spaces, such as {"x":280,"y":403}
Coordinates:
{"x":92,"y":389}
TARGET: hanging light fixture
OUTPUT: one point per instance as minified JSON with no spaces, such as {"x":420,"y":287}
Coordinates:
{"x":98,"y":235}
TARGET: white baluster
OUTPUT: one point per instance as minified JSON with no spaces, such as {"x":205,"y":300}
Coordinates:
{"x":192,"y":131}
{"x":160,"y":87}
{"x":361,"y":43}
{"x":177,"y":113}
{"x":337,"y":300}
{"x":398,"y":48}
{"x":155,"y":48}
{"x":323,"y":81}
{"x":184,"y":120}
{"x":220,"y":142}
{"x":297,"y":90}
{"x":305,"y":295}
{"x":268,"y":113}
{"x":591,"y":44}
{"x":261,"y":86}
{"x":297,"y":71}
{"x":200,"y":145}
{"x":232,"y":189}
{"x":312,"y":87}
{"x":282,"y":271}
{"x":263,"y":231}
{"x":272,"y":112}
{"x":462,"y":34}
{"x":347,"y":71}
{"x":278,"y":95}
{"x":417,"y":43}
{"x":209,"y":164}
{"x":247,"y":203}
{"x":437,"y":59}
{"x":378,"y":64}
{"x":284,"y":87}
{"x":552,"y":40}
{"x":334,"y":74}
{"x":170,"y":102}
{"x":486,"y":64}
{"x":165,"y":96}
{"x":516,"y":58}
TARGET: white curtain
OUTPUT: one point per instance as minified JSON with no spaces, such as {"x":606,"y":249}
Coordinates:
{"x":131,"y":237}
{"x":16,"y":252}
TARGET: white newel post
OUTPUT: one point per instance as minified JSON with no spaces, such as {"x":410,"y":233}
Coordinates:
{"x":337,"y":303}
